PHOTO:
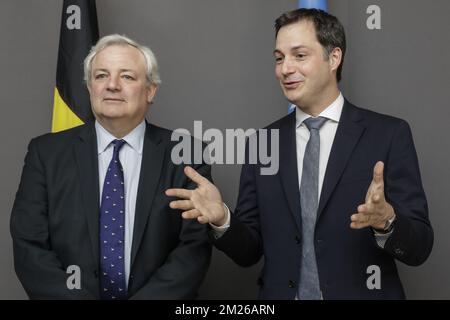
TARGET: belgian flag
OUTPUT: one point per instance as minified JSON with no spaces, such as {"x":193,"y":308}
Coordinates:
{"x":79,"y":32}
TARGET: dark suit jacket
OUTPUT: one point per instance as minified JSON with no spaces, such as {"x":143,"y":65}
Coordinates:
{"x":267,"y":220}
{"x":55,"y":221}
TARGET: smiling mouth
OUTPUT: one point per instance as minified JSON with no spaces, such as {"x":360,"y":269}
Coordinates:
{"x":292,"y":84}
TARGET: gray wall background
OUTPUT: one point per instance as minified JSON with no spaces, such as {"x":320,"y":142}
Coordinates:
{"x":216,"y":65}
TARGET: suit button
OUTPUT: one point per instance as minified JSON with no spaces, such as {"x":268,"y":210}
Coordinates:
{"x":399,"y":252}
{"x":291,"y":284}
{"x":319,"y":241}
{"x":131,"y":276}
{"x":297,"y":240}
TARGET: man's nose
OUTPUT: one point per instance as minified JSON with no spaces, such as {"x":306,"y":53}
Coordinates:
{"x":114,"y":83}
{"x":287,"y":67}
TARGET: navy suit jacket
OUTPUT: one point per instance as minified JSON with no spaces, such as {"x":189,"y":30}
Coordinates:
{"x":267,"y":219}
{"x":55,"y":221}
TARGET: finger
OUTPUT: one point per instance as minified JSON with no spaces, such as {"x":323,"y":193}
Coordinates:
{"x":203,"y":219}
{"x":359,"y":218}
{"x":362,"y":220}
{"x":378,"y":172}
{"x":195,"y":176}
{"x":191,"y":214}
{"x":356,"y":225}
{"x":362,"y":208}
{"x":182,"y":204}
{"x":376,"y":197}
{"x":359,"y":221}
{"x":180,"y":193}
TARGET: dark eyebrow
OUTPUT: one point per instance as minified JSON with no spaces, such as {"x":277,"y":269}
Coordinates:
{"x":292,"y":49}
{"x":299,"y":47}
{"x":277,"y":51}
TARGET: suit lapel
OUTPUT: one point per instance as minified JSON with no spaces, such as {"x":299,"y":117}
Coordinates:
{"x":288,"y":166}
{"x":348,"y":133}
{"x":86,"y":155}
{"x":151,"y":166}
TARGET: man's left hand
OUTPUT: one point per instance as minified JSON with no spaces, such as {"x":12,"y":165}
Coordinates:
{"x":375,"y":212}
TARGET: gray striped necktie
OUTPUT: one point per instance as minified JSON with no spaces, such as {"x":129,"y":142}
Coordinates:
{"x":309,"y":286}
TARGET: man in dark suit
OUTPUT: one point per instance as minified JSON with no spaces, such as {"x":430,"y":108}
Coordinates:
{"x":92,"y":198}
{"x":348,"y":198}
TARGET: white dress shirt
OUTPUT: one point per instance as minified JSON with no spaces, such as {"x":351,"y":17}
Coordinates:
{"x":327,"y":133}
{"x":130,"y":157}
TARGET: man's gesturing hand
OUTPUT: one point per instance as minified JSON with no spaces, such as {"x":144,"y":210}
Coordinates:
{"x":375,"y":212}
{"x":203,"y":203}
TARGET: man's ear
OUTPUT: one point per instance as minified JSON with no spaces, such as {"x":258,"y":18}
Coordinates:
{"x":335,"y":59}
{"x":151,"y":92}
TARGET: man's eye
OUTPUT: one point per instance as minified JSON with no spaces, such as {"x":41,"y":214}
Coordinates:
{"x":278,"y":59}
{"x":127,"y":77}
{"x":100,"y":76}
{"x":301,"y":55}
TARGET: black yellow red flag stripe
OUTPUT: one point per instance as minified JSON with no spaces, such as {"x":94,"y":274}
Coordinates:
{"x":79,"y":32}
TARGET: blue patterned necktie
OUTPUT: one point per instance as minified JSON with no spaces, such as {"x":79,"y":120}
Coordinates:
{"x":309,"y":286}
{"x":112,"y":230}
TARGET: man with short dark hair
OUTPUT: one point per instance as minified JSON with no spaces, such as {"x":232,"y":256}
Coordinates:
{"x":348,"y":199}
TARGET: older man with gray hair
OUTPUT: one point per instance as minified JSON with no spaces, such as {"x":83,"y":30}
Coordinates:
{"x":90,"y":219}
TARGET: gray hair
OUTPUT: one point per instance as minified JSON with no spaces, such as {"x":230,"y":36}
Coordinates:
{"x":117,"y":39}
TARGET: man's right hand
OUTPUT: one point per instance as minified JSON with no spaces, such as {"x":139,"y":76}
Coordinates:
{"x":203,"y":203}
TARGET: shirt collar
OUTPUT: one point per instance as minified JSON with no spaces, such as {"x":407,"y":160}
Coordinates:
{"x":332,"y":112}
{"x":135,"y":139}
